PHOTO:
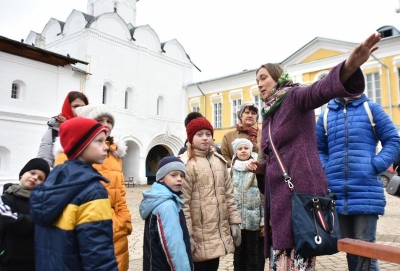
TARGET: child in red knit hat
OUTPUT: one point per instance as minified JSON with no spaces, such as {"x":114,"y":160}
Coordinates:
{"x":209,"y":204}
{"x":71,"y":209}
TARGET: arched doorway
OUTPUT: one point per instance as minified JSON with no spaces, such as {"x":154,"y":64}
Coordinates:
{"x":153,"y":157}
{"x":131,"y":161}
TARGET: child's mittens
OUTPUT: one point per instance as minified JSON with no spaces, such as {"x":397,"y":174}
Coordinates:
{"x":236,"y":234}
{"x":192,"y":244}
{"x":5,"y":210}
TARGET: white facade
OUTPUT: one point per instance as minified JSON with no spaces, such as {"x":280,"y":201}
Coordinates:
{"x":130,"y":70}
{"x":41,"y":89}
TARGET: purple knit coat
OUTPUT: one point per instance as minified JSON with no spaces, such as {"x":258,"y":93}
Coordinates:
{"x":294,"y":134}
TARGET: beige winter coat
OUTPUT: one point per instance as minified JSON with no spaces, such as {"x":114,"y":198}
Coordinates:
{"x":209,"y":205}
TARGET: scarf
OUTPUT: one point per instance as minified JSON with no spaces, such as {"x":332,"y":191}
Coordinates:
{"x":19,"y":191}
{"x":273,"y":102}
{"x":251,"y":132}
{"x":240,"y":165}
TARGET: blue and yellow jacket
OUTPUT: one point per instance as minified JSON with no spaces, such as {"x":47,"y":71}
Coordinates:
{"x":72,"y":214}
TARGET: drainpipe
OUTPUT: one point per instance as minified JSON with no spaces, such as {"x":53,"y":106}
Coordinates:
{"x":388,"y":83}
{"x":87,"y":76}
{"x":204,"y":98}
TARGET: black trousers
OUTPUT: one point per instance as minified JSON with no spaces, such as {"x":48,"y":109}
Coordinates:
{"x":261,"y":256}
{"x":210,"y":265}
{"x":249,"y":256}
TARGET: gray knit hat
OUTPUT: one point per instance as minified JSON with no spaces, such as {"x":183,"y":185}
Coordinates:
{"x":252,"y":106}
{"x":168,"y":164}
{"x":239,"y":141}
{"x":95,"y":111}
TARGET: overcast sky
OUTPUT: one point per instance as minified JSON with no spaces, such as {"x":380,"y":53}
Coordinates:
{"x":225,"y":36}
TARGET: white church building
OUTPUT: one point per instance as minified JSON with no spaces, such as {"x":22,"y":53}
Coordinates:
{"x":113,"y":61}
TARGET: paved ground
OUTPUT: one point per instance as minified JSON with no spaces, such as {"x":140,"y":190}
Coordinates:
{"x":388,"y":234}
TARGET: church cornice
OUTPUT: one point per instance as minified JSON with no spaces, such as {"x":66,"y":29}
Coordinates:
{"x":77,"y":36}
{"x":28,"y":117}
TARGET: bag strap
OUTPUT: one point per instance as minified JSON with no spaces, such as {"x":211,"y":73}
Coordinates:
{"x":371,"y":119}
{"x":326,"y":121}
{"x":369,"y":113}
{"x":285,"y":174}
{"x":317,"y":211}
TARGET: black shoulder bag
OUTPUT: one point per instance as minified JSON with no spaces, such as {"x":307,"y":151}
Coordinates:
{"x":315,"y":222}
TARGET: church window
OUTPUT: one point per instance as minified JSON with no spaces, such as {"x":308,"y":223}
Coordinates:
{"x":5,"y":160}
{"x":126,"y":100}
{"x":160,"y":106}
{"x":195,"y":109}
{"x":15,"y":91}
{"x":104,"y":100}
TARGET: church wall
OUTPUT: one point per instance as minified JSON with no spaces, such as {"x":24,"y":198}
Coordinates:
{"x":149,"y":75}
{"x":25,"y":120}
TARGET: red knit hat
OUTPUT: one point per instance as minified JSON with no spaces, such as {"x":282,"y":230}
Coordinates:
{"x":77,"y":133}
{"x":196,"y":125}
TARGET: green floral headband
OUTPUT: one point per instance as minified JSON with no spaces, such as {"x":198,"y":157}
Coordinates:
{"x":284,"y":78}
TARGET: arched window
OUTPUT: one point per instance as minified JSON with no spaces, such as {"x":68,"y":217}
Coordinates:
{"x":128,"y":102}
{"x":15,"y":91}
{"x":126,"y":106}
{"x":5,"y":160}
{"x":160,"y":106}
{"x":104,"y":99}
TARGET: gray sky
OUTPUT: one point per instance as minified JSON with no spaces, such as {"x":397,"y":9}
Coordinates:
{"x":225,"y":36}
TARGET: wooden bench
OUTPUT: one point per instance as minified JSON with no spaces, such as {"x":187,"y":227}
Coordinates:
{"x":129,"y":182}
{"x":369,"y":251}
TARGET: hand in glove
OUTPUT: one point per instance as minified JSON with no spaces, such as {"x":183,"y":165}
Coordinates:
{"x":193,"y":244}
{"x":236,"y":234}
{"x":5,"y":210}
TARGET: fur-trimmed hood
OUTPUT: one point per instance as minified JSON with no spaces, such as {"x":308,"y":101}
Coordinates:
{"x":119,"y":152}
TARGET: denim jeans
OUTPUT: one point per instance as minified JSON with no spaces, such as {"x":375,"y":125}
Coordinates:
{"x":360,"y":227}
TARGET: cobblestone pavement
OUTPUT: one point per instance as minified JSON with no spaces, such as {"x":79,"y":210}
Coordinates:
{"x":388,"y":234}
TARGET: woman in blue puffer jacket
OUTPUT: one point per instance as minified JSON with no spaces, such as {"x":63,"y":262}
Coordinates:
{"x":347,"y":141}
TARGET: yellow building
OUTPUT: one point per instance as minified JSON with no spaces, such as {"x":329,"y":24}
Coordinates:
{"x":218,"y":99}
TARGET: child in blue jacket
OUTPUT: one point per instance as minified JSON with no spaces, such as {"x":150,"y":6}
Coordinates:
{"x":71,"y":210}
{"x":166,"y":237}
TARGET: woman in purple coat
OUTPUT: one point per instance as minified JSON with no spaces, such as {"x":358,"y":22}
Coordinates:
{"x":289,"y":108}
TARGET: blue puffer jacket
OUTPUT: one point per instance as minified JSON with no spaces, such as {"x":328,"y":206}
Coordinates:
{"x":348,"y":154}
{"x":72,"y":214}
